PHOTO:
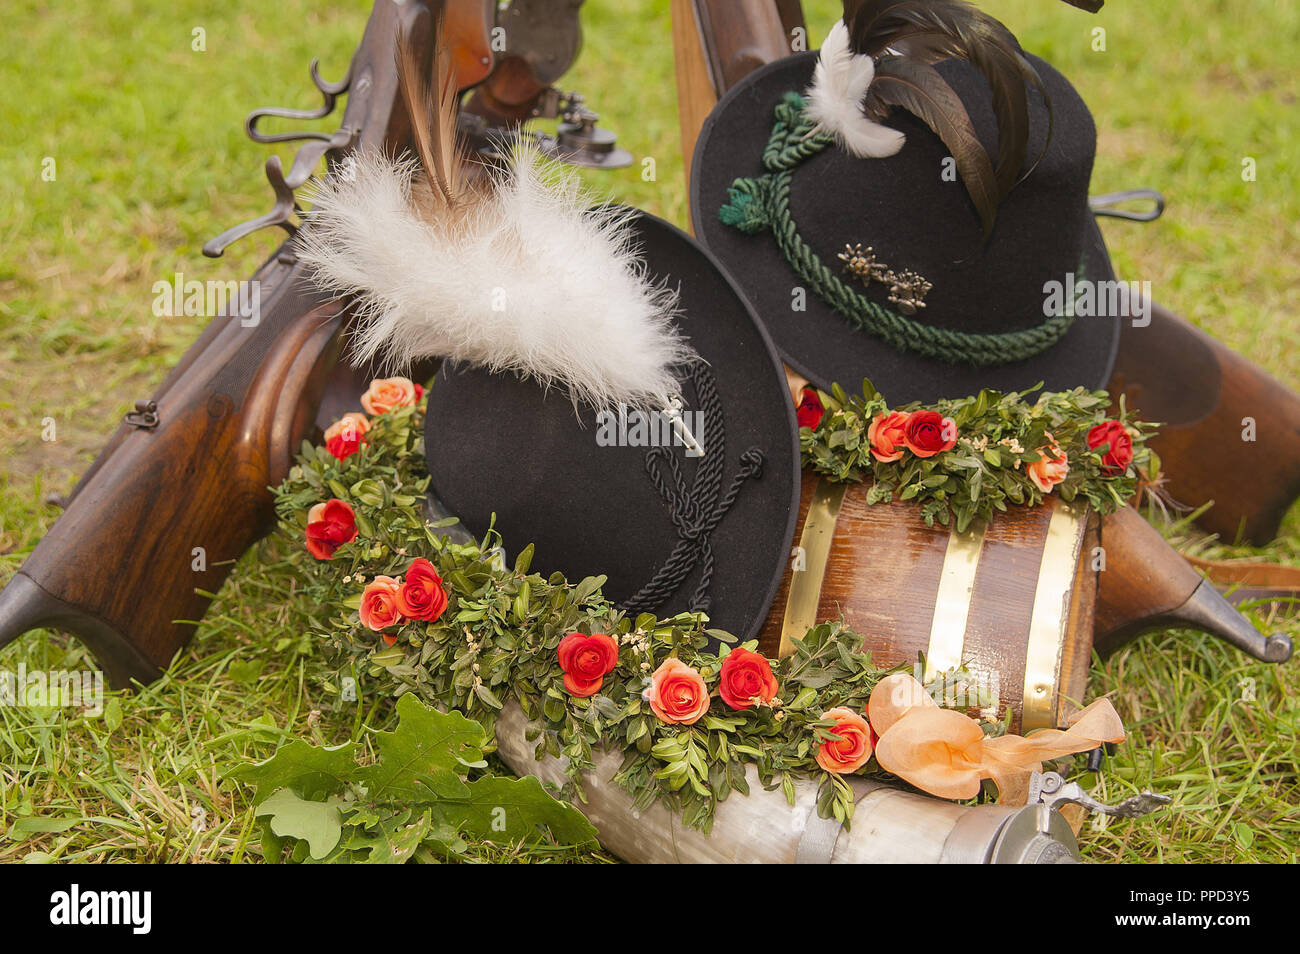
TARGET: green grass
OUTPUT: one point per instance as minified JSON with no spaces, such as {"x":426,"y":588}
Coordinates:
{"x":151,"y":161}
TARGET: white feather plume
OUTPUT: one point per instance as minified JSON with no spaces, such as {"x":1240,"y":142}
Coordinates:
{"x":834,"y":99}
{"x":523,"y":278}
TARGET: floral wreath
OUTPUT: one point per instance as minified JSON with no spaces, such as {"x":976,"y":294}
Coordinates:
{"x":405,"y":605}
{"x":965,"y":459}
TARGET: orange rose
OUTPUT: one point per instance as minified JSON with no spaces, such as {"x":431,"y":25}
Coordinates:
{"x":386,"y":394}
{"x":379,"y":605}
{"x":421,"y":595}
{"x":345,"y":436}
{"x":887,"y":435}
{"x":851,"y":750}
{"x":677,"y":693}
{"x":329,"y":526}
{"x":746,"y":676}
{"x":586,"y":661}
{"x":1047,"y":472}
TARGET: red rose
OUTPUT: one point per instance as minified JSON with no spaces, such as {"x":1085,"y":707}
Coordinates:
{"x":329,"y":526}
{"x":929,"y":433}
{"x":810,"y":412}
{"x":421,"y":595}
{"x":746,"y":676}
{"x":586,"y":660}
{"x":347,"y":435}
{"x":1120,"y":453}
{"x":342,"y":446}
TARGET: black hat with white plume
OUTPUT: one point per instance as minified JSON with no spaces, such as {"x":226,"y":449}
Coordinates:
{"x":607,"y":395}
{"x":910,"y":205}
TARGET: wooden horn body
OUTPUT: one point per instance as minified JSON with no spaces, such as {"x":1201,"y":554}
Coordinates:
{"x":1012,"y":600}
{"x":890,"y":826}
{"x":1146,"y":584}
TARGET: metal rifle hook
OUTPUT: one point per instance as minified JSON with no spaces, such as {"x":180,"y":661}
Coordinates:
{"x":1107,"y":205}
{"x":329,"y":95}
{"x":305,"y":160}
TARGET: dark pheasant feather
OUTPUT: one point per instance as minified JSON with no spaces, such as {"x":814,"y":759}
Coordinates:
{"x":925,"y":32}
{"x":918,"y":88}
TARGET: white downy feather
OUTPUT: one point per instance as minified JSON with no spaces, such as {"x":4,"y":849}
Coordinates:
{"x":839,"y":85}
{"x":526,"y":280}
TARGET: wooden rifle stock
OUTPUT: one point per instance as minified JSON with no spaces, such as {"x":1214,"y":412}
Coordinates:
{"x":181,"y":490}
{"x":717,"y":43}
{"x":1206,"y":395}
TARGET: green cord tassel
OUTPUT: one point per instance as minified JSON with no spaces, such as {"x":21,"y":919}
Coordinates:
{"x":746,"y":206}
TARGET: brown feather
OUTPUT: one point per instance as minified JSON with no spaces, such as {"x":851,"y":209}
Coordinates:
{"x":433,"y":123}
{"x":918,"y":88}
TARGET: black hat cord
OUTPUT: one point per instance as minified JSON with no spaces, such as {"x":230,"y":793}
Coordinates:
{"x":763,"y":202}
{"x":695,"y":510}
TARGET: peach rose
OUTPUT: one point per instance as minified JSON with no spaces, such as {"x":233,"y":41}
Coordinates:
{"x":1045,"y":472}
{"x":677,"y":693}
{"x":345,"y":436}
{"x":887,"y":435}
{"x":851,"y":750}
{"x":386,"y":394}
{"x":379,"y":604}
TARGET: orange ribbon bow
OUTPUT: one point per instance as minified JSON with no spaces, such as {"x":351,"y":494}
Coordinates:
{"x":947,"y":754}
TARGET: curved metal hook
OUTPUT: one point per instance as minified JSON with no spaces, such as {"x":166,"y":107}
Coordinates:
{"x":1106,"y":205}
{"x":305,"y":159}
{"x":329,"y":93}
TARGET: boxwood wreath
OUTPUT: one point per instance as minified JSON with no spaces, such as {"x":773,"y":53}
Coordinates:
{"x":359,"y":501}
{"x":963,"y":459}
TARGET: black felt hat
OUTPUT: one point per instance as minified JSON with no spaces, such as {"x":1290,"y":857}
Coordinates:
{"x":672,"y":531}
{"x":915,"y":217}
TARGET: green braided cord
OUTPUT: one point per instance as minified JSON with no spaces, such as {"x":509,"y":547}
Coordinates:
{"x":764,"y":203}
{"x":794,"y":138}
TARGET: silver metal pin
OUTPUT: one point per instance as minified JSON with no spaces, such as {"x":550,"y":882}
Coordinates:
{"x":672,"y":409}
